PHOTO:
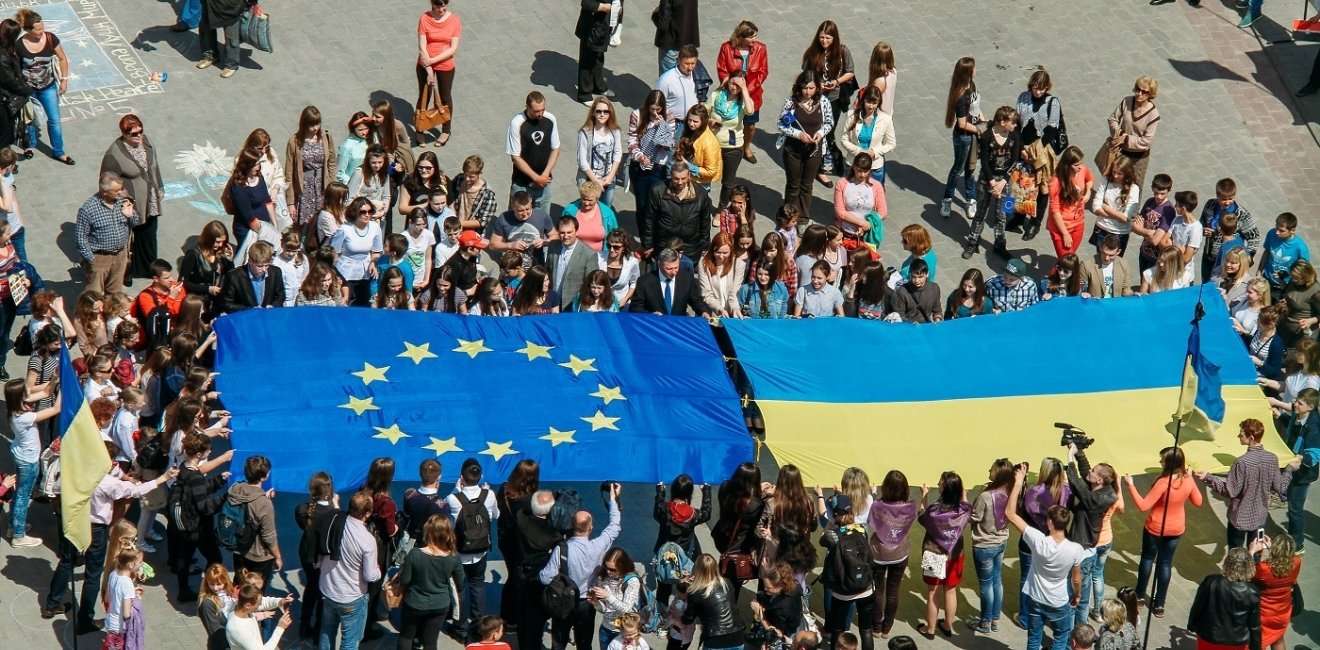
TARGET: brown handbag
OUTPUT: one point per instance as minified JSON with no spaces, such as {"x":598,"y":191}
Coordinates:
{"x":737,"y":565}
{"x":431,"y":113}
{"x":393,"y":592}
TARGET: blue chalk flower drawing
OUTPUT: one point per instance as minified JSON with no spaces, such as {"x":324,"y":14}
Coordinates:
{"x":209,"y":167}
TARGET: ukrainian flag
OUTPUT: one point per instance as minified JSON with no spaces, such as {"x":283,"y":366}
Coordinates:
{"x":83,"y":458}
{"x":956,"y":395}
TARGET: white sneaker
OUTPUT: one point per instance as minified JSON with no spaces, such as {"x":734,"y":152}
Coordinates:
{"x":146,"y":547}
{"x":154,"y":536}
{"x":945,"y":207}
{"x":27,"y":541}
{"x":971,"y":209}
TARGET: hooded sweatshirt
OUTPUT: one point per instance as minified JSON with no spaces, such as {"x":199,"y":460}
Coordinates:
{"x":261,"y":515}
{"x":678,"y":520}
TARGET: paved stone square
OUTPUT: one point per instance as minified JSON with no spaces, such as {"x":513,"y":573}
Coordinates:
{"x":1225,"y":97}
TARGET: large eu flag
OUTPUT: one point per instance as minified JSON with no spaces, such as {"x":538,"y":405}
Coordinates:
{"x":633,"y":398}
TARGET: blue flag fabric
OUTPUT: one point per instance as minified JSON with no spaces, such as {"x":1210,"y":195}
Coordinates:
{"x":631,"y":398}
{"x":1202,"y":388}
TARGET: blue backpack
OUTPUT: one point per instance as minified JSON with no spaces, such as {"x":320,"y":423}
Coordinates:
{"x":651,"y":611}
{"x":671,"y":563}
{"x":233,"y":531}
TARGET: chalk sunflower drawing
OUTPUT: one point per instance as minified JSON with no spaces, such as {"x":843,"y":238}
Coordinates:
{"x":208,"y":165}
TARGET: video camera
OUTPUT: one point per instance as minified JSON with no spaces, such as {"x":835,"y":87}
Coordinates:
{"x":1071,"y":435}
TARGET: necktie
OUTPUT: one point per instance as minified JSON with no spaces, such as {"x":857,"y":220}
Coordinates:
{"x":669,"y":296}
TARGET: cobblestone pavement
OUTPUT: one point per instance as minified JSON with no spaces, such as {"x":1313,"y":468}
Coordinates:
{"x":1225,"y":96}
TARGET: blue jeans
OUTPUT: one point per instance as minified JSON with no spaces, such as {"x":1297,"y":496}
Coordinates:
{"x":1254,"y":9}
{"x":668,"y":60}
{"x":1024,"y":569}
{"x":1297,"y":512}
{"x":962,"y":150}
{"x":1097,"y":585}
{"x":474,"y":597}
{"x":19,"y":240}
{"x":1060,"y":620}
{"x":540,"y":195}
{"x":989,"y":572}
{"x":49,"y":98}
{"x":93,"y":561}
{"x":606,"y":636}
{"x":878,"y":174}
{"x":27,"y":479}
{"x":353,"y":618}
{"x":1152,"y":547}
{"x":1088,"y":574}
{"x":190,"y":13}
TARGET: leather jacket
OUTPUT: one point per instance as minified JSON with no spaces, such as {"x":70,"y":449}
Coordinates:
{"x":1226,"y":612}
{"x":720,"y":626}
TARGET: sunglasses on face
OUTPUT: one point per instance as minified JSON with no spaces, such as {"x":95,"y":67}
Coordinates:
{"x":134,"y":134}
{"x":601,"y":112}
{"x":367,"y":211}
{"x":425,"y":167}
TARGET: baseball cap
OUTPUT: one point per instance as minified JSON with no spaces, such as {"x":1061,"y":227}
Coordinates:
{"x":471,"y":238}
{"x":1016,"y":267}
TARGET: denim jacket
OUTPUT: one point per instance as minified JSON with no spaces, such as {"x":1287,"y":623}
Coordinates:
{"x":749,"y":297}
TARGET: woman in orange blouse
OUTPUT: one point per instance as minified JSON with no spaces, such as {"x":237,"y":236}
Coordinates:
{"x":1164,"y":525}
{"x":1068,"y":201}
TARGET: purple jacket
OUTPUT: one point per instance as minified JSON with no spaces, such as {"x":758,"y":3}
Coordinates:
{"x":890,"y":523}
{"x":944,"y":525}
{"x":1037,"y":503}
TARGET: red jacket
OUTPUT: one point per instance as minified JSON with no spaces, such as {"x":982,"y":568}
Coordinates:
{"x":758,"y":67}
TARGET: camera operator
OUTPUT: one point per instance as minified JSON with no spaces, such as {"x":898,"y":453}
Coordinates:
{"x":1094,"y":492}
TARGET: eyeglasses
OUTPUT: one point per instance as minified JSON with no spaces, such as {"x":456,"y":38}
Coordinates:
{"x":103,"y":370}
{"x":426,"y":167}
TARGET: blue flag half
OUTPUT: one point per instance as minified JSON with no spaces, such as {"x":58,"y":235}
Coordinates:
{"x":591,"y":397}
{"x":1202,"y":390}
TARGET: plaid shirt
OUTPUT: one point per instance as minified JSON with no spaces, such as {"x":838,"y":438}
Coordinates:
{"x":1015,"y":298}
{"x":1248,"y":485}
{"x":102,"y":227}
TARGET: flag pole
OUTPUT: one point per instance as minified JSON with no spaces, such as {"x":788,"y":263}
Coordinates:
{"x":1197,"y":314}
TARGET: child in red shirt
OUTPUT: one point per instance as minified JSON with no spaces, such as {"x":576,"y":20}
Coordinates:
{"x":490,"y":629}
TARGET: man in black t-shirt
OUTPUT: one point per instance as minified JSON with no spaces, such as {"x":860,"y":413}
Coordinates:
{"x":533,"y":148}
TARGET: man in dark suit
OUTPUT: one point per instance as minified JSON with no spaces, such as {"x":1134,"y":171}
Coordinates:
{"x":672,"y":291}
{"x":255,"y":284}
{"x":569,"y":260}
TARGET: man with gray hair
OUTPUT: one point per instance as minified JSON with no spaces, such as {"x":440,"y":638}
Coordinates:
{"x":1083,"y":637}
{"x":670,"y":290}
{"x":537,"y":538}
{"x":585,"y":559}
{"x":101,"y":233}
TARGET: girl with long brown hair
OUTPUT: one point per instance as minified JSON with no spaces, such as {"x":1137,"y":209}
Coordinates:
{"x":650,"y":147}
{"x":205,"y":265}
{"x":354,"y":147}
{"x":253,"y":208}
{"x":805,"y":121}
{"x":832,"y":62}
{"x":320,"y":494}
{"x":384,"y":521}
{"x":1166,"y":522}
{"x":600,"y":148}
{"x":271,"y":171}
{"x":882,"y":74}
{"x":962,"y":113}
{"x":970,"y":300}
{"x":720,"y":275}
{"x":1069,"y":188}
{"x":310,"y":164}
{"x":513,"y":498}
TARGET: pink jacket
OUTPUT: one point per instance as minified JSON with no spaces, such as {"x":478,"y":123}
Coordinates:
{"x":841,"y":209}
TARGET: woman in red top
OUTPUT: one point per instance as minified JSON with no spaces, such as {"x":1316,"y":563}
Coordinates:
{"x":1276,"y":574}
{"x":438,"y":32}
{"x":1164,"y":525}
{"x":1068,"y":201}
{"x":743,"y":52}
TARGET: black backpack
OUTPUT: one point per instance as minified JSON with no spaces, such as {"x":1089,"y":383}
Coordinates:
{"x":560,"y":597}
{"x":567,"y":504}
{"x":152,"y":454}
{"x":472,"y":526}
{"x":850,"y":563}
{"x":156,"y":326}
{"x":180,"y":510}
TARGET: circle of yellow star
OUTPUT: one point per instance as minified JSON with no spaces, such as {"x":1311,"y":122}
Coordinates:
{"x":370,"y":373}
{"x":358,"y":404}
{"x":472,"y":348}
{"x":499,"y":450}
{"x":556,"y":437}
{"x":393,"y":433}
{"x":442,"y":446}
{"x":534,"y":351}
{"x":601,"y":421}
{"x":417,"y":352}
{"x":579,"y":366}
{"x":609,"y":394}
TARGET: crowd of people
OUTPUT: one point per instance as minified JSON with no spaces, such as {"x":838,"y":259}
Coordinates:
{"x":317,"y":227}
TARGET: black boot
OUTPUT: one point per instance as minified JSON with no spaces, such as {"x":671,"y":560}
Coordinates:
{"x":1030,"y":229}
{"x":971,"y":248}
{"x":1001,"y":248}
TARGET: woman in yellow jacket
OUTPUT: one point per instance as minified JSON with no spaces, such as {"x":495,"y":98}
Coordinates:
{"x":700,"y":149}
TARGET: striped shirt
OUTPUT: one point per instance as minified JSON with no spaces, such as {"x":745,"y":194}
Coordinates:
{"x":1248,"y":485}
